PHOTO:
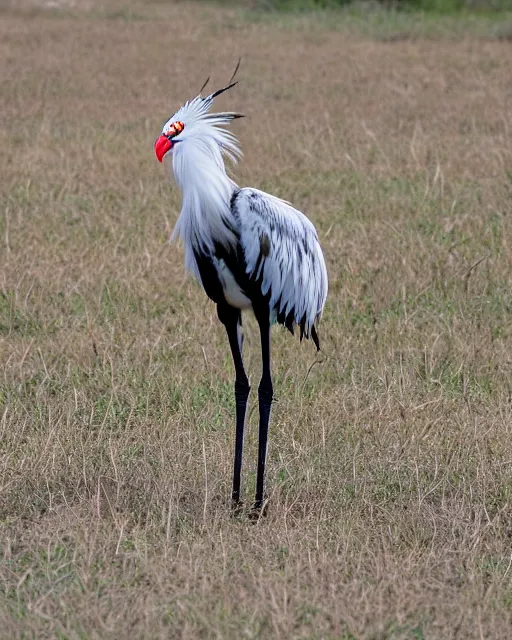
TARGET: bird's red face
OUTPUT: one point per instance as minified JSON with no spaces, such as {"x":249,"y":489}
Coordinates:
{"x":165,"y":142}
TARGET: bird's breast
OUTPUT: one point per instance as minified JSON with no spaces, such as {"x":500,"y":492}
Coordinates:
{"x":232,"y":290}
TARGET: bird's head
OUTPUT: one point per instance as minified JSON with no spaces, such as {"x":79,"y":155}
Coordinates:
{"x":193,"y":122}
{"x":168,"y":138}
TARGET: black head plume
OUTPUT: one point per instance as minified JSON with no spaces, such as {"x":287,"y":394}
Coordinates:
{"x":235,"y":71}
{"x":230,"y":83}
{"x":204,"y":85}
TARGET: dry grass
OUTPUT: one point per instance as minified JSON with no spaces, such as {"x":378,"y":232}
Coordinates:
{"x":389,"y":464}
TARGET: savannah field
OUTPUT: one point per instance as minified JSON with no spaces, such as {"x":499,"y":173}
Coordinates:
{"x":390,"y":455}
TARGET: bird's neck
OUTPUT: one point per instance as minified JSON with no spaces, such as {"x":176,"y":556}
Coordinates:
{"x":205,"y":219}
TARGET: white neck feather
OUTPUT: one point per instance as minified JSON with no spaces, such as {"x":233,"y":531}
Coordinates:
{"x":199,"y":171}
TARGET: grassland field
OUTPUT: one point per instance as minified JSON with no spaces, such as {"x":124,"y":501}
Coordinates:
{"x":390,"y":457}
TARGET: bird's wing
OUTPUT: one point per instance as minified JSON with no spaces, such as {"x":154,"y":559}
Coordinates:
{"x":283,"y":255}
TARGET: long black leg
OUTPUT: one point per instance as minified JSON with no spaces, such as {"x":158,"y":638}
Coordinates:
{"x":231,"y":319}
{"x":265,"y":396}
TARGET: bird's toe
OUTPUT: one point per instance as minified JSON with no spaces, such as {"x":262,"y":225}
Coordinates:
{"x":258,"y":510}
{"x":237,"y":507}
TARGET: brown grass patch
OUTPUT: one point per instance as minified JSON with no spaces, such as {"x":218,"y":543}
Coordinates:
{"x":389,"y":465}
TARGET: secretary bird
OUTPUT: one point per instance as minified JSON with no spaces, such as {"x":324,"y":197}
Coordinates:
{"x":248,"y":249}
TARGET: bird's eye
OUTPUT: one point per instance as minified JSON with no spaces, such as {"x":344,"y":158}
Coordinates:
{"x":175,"y":129}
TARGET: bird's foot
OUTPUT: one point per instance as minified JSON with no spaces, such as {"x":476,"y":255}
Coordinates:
{"x":258,"y":510}
{"x":237,"y":507}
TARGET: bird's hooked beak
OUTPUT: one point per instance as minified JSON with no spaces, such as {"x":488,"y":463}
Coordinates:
{"x":162,"y":145}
